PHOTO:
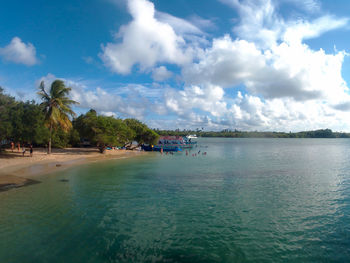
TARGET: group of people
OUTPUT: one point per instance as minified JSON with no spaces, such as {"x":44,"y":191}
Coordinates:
{"x":195,"y":154}
{"x":23,"y":148}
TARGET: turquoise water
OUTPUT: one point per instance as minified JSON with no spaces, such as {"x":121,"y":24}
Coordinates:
{"x":247,"y":200}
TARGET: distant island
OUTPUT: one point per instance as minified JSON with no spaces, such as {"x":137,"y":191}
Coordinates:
{"x":322,"y":133}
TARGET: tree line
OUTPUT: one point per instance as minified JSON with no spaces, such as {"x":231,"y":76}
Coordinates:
{"x":322,"y":133}
{"x":53,"y":122}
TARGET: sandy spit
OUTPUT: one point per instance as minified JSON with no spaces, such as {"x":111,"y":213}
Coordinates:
{"x":17,"y":170}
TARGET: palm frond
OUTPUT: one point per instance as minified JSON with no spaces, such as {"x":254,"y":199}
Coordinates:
{"x":56,"y":104}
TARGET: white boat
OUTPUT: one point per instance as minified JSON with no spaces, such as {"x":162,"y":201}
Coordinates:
{"x":192,"y":136}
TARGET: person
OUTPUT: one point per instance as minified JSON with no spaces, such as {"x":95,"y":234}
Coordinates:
{"x":23,"y":150}
{"x":31,"y":150}
{"x":12,"y":146}
{"x":18,"y":146}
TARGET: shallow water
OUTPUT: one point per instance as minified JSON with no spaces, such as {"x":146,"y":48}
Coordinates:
{"x":247,"y":200}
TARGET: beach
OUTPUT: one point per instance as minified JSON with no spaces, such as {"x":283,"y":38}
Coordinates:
{"x":17,"y":170}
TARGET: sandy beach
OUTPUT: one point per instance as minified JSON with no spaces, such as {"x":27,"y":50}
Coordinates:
{"x":17,"y":170}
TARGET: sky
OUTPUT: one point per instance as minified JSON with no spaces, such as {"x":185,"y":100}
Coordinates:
{"x":262,"y":65}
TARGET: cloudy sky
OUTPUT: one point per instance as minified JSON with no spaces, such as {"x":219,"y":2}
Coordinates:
{"x":218,"y":64}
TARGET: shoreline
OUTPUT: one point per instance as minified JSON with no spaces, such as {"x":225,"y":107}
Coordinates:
{"x":18,"y":171}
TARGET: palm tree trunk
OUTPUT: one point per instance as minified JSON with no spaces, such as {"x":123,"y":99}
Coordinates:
{"x":49,"y":149}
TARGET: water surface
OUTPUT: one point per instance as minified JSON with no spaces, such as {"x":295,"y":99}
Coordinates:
{"x":247,"y":200}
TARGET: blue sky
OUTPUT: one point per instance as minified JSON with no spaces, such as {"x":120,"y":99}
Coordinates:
{"x":218,"y":64}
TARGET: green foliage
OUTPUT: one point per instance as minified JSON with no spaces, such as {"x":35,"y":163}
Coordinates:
{"x":111,"y":131}
{"x":6,"y":104}
{"x":56,"y":106}
{"x":86,"y":125}
{"x":74,"y":138}
{"x":28,"y":123}
{"x":103,"y":130}
{"x":142,"y":134}
{"x":60,"y":138}
{"x":21,"y":121}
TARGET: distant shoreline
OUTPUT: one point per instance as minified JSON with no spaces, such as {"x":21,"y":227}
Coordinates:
{"x":17,"y":171}
{"x":322,"y":133}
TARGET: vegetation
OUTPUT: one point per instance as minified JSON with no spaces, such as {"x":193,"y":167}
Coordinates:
{"x":323,"y":133}
{"x":6,"y":105}
{"x":50,"y":123}
{"x":142,"y":134}
{"x":57,"y":107}
{"x":103,"y":131}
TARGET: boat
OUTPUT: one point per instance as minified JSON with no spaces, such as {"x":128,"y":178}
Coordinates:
{"x":189,"y":143}
{"x":192,"y":136}
{"x":170,"y":144}
{"x":158,"y":148}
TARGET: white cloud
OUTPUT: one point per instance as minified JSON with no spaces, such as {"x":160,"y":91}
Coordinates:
{"x":128,"y":103}
{"x":179,"y":25}
{"x":285,"y":70}
{"x":311,"y":6}
{"x":202,"y":22}
{"x":260,"y":23}
{"x":146,"y":41}
{"x":289,"y":85}
{"x":161,"y":73}
{"x":286,"y":85}
{"x":19,"y":52}
{"x":207,"y":99}
{"x":299,"y":30}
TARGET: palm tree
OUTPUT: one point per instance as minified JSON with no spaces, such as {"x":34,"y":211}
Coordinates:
{"x":56,"y":106}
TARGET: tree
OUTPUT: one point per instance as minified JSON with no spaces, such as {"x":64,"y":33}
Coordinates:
{"x":143,"y":134}
{"x":6,"y":105}
{"x":27,"y":119}
{"x":56,"y":106}
{"x":102,"y":130}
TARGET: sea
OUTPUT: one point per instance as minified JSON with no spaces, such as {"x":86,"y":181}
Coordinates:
{"x":226,"y":200}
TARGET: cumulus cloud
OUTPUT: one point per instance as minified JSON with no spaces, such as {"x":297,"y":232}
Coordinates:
{"x":147,"y":40}
{"x":286,"y":85}
{"x":285,"y":70}
{"x":19,"y":52}
{"x":128,"y":101}
{"x":161,"y":73}
{"x":208,"y":99}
